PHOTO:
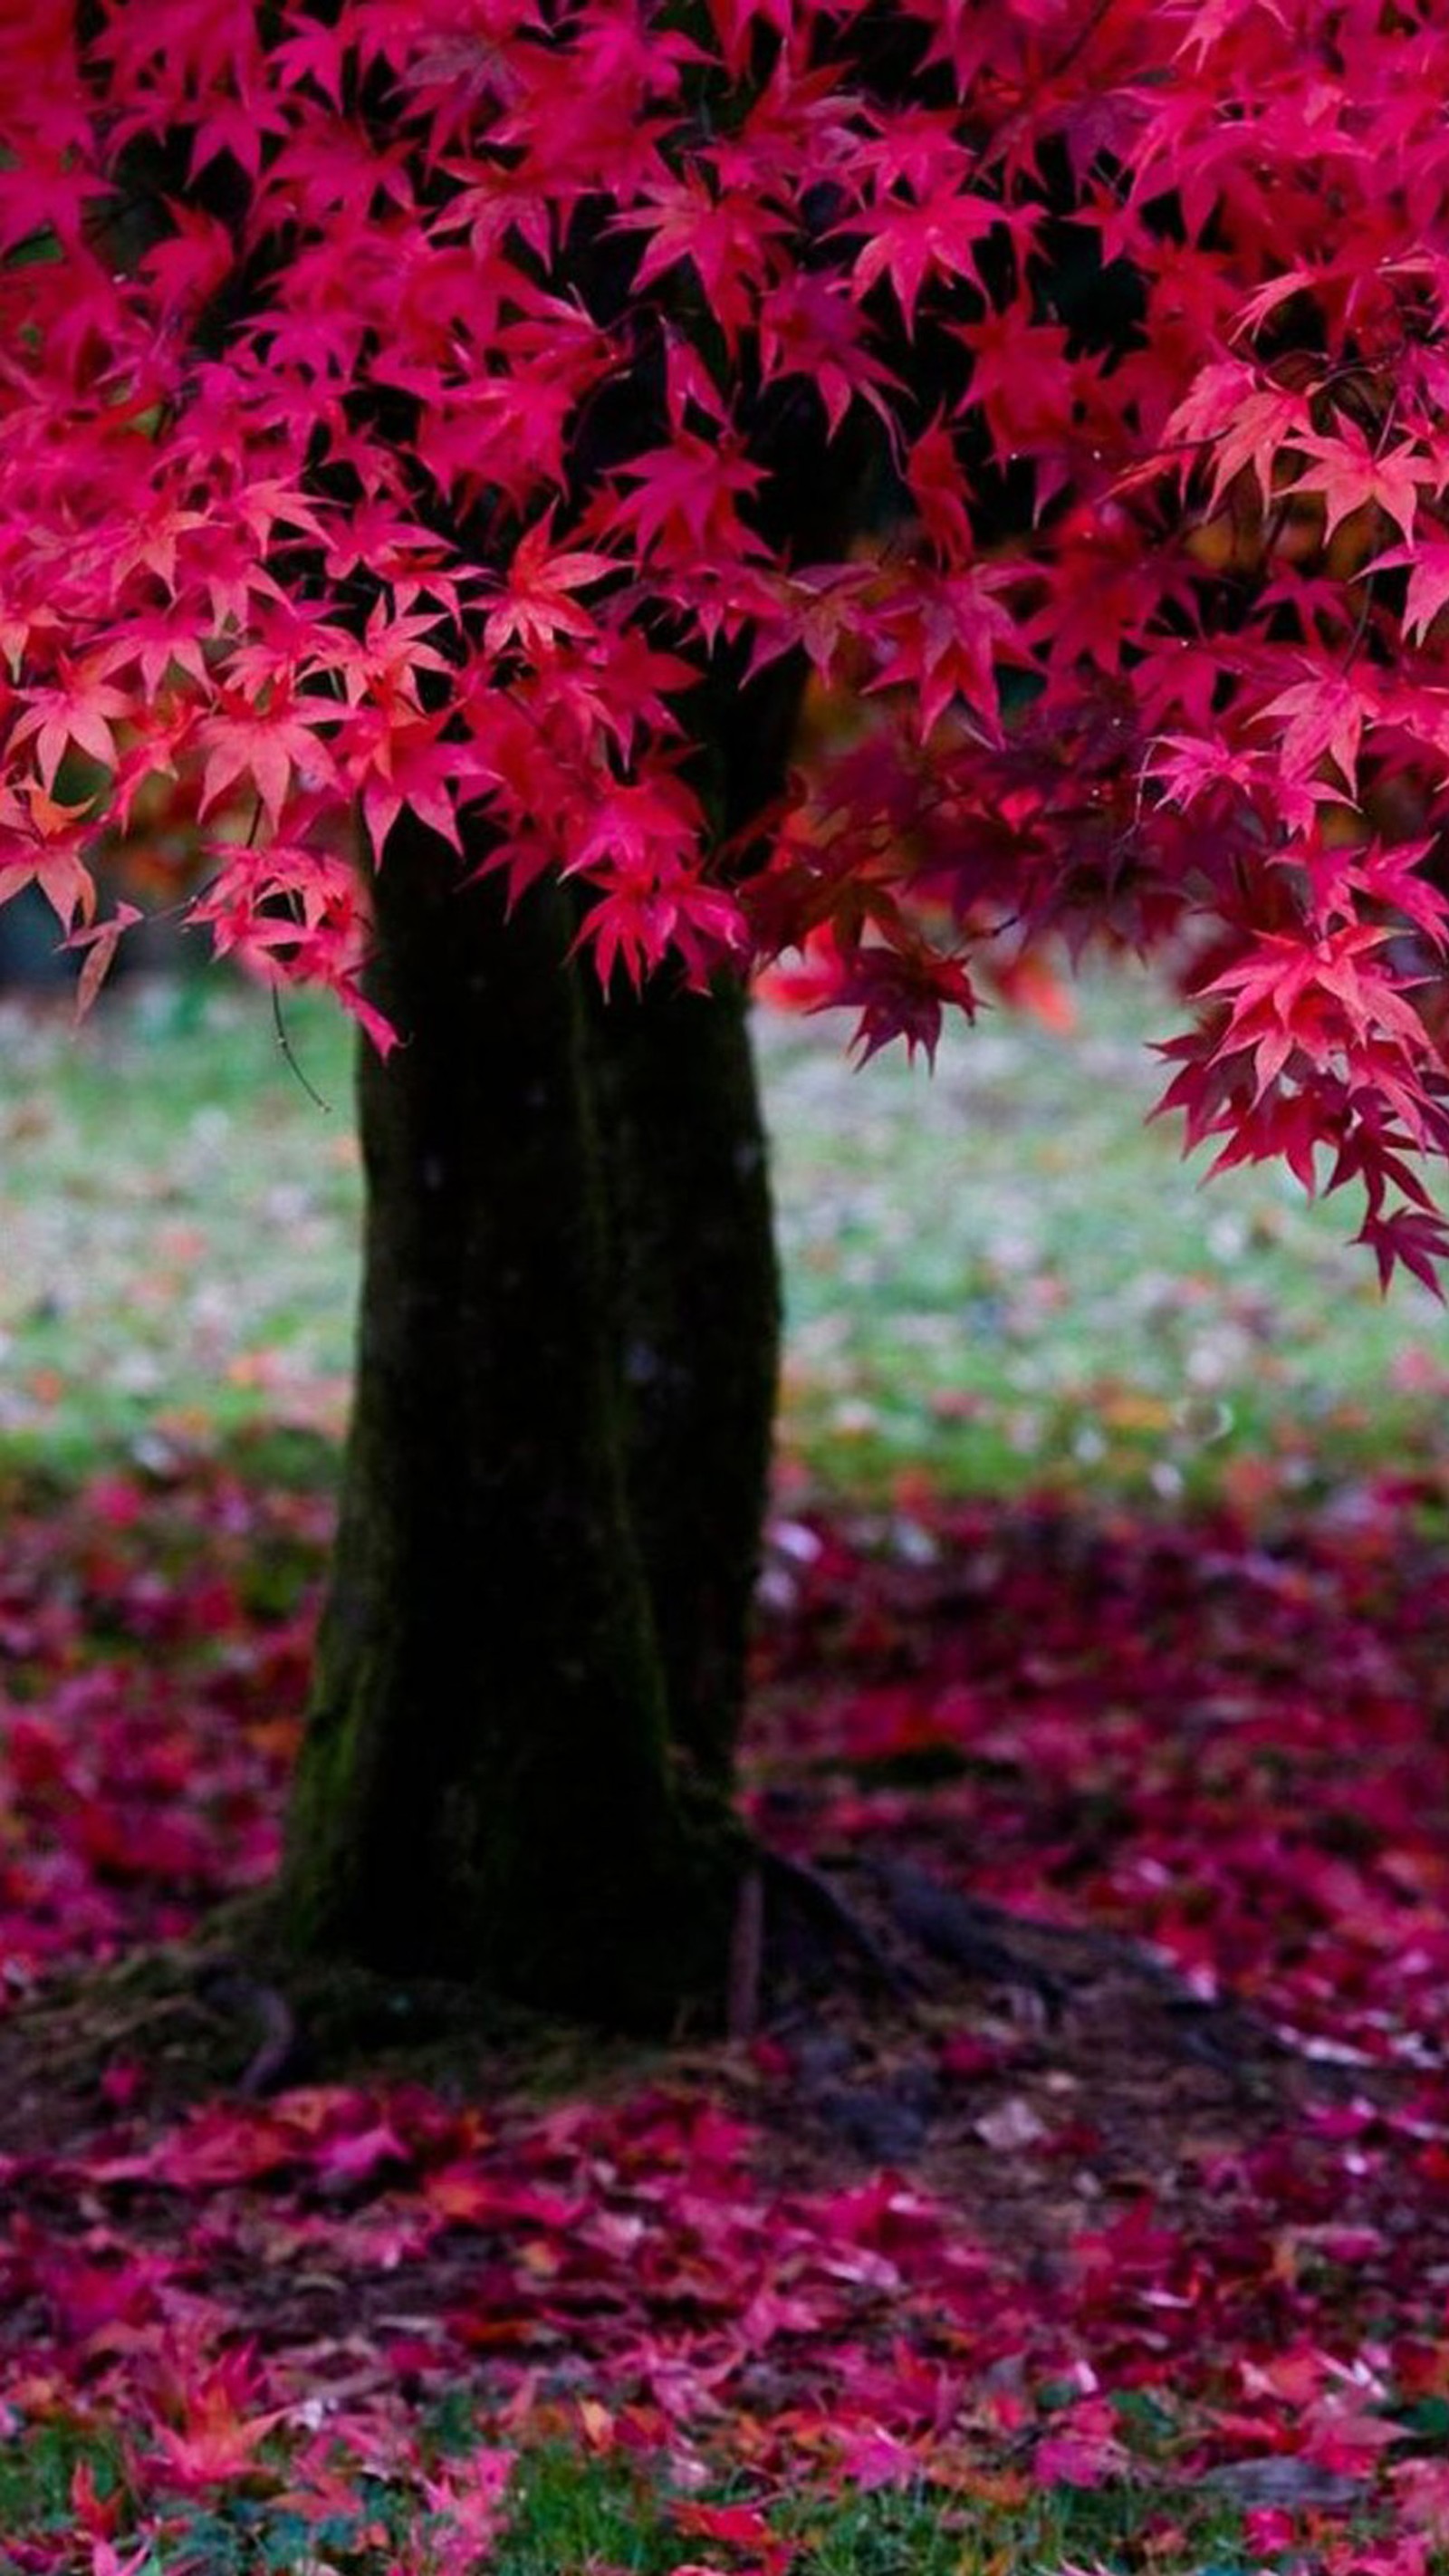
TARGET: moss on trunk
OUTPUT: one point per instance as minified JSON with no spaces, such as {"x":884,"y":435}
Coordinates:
{"x":685,"y":1159}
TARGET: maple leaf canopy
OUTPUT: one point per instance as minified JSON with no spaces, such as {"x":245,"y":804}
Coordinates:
{"x":405,"y":406}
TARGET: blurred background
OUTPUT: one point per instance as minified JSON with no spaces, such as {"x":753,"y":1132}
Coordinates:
{"x":999,"y":1275}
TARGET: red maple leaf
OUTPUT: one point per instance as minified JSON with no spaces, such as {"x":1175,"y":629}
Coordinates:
{"x":1350,"y":473}
{"x":538,"y":604}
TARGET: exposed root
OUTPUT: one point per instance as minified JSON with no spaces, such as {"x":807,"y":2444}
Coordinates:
{"x":795,"y":1885}
{"x":282,"y":2056}
{"x":975,"y":1938}
{"x":747,"y":1958}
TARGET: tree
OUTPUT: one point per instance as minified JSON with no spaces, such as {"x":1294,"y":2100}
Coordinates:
{"x":441,"y":441}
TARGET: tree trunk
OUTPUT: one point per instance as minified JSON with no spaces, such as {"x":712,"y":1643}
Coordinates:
{"x":487,"y":1785}
{"x":699,"y":1317}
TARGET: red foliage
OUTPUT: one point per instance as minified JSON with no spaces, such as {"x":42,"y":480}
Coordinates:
{"x":1217,"y":1739}
{"x":405,"y":406}
{"x":149,"y":1719}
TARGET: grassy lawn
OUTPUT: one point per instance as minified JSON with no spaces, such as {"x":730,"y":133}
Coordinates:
{"x":570,"y":2517}
{"x":1004,"y":1276}
{"x":179,"y":1216}
{"x":998,"y":1276}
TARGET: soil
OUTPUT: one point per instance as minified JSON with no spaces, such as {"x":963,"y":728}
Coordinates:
{"x":1076,"y":2036}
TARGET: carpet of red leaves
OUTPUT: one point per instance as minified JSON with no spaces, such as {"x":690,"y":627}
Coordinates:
{"x":1174,"y":2203}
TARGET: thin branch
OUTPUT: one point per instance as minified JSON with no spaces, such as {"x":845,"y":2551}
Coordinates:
{"x":285,"y":1043}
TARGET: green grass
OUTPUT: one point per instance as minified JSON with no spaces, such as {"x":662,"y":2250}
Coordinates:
{"x":180,"y":1222}
{"x":998,"y":1276}
{"x":36,"y":2471}
{"x":573,"y":2515}
{"x":1003,"y":1275}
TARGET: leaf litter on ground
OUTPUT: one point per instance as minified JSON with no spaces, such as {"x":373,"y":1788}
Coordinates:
{"x":1133,"y":2180}
{"x":1146,"y":2187}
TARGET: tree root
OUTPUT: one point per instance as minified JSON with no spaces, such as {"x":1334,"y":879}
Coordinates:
{"x":281,"y":2057}
{"x":778,"y":1900}
{"x":782,"y":1898}
{"x":967,"y":1935}
{"x":795,"y":1926}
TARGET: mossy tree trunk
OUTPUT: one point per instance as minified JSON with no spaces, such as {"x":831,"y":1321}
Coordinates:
{"x":684,"y":1160}
{"x":529,"y":1675}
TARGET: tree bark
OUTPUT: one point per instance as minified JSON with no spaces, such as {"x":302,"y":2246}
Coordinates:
{"x":530,"y":1671}
{"x":685,"y":1161}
